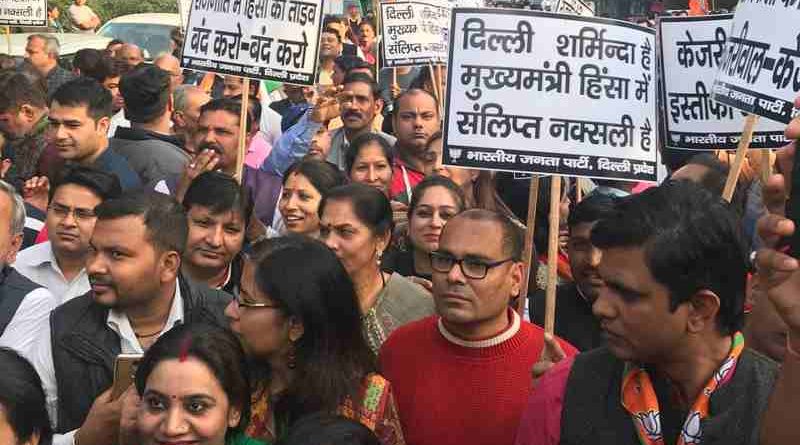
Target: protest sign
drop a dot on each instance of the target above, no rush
(23, 12)
(260, 39)
(577, 7)
(415, 32)
(759, 69)
(691, 52)
(183, 10)
(554, 94)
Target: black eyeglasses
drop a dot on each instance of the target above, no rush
(471, 268)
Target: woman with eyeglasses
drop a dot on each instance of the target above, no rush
(356, 223)
(299, 321)
(435, 201)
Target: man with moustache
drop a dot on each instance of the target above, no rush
(358, 103)
(60, 263)
(137, 294)
(415, 118)
(461, 377)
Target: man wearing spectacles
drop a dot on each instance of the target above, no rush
(464, 376)
(60, 263)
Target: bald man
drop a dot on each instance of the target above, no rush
(187, 100)
(172, 65)
(131, 54)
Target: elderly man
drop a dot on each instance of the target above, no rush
(41, 53)
(131, 54)
(172, 65)
(188, 100)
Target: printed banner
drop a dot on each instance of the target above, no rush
(553, 94)
(577, 7)
(691, 51)
(262, 39)
(415, 33)
(23, 12)
(759, 69)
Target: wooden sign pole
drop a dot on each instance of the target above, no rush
(766, 167)
(741, 152)
(552, 255)
(527, 252)
(243, 121)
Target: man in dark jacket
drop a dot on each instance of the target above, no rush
(149, 144)
(137, 294)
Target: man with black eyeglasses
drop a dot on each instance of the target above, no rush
(60, 263)
(463, 376)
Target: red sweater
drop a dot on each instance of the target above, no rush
(453, 394)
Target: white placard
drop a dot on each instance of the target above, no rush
(577, 7)
(23, 12)
(760, 70)
(260, 39)
(691, 51)
(415, 32)
(548, 93)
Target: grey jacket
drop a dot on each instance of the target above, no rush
(151, 158)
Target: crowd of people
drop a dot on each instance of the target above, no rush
(347, 287)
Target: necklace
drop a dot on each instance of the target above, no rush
(138, 335)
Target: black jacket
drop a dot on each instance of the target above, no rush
(84, 347)
(13, 289)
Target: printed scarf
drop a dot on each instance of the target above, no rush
(639, 399)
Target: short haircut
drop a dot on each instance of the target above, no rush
(51, 45)
(253, 109)
(368, 23)
(414, 92)
(218, 192)
(107, 68)
(85, 91)
(146, 92)
(88, 61)
(334, 32)
(22, 398)
(511, 235)
(227, 104)
(321, 174)
(436, 181)
(362, 141)
(17, 208)
(370, 206)
(591, 209)
(164, 218)
(347, 63)
(330, 430)
(180, 97)
(115, 42)
(363, 78)
(715, 177)
(18, 89)
(691, 242)
(102, 183)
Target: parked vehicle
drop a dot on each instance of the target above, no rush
(151, 31)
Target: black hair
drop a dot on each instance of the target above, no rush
(232, 105)
(436, 181)
(591, 209)
(414, 92)
(691, 242)
(107, 68)
(87, 60)
(85, 91)
(329, 30)
(115, 42)
(219, 350)
(22, 398)
(419, 82)
(253, 109)
(218, 192)
(510, 233)
(307, 281)
(362, 141)
(434, 137)
(370, 24)
(329, 430)
(18, 89)
(102, 183)
(370, 206)
(715, 177)
(347, 63)
(51, 7)
(146, 93)
(363, 78)
(321, 174)
(164, 218)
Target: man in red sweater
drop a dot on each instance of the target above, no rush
(463, 377)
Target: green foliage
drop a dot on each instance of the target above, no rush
(108, 9)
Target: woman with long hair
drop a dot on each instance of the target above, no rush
(23, 410)
(356, 223)
(299, 321)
